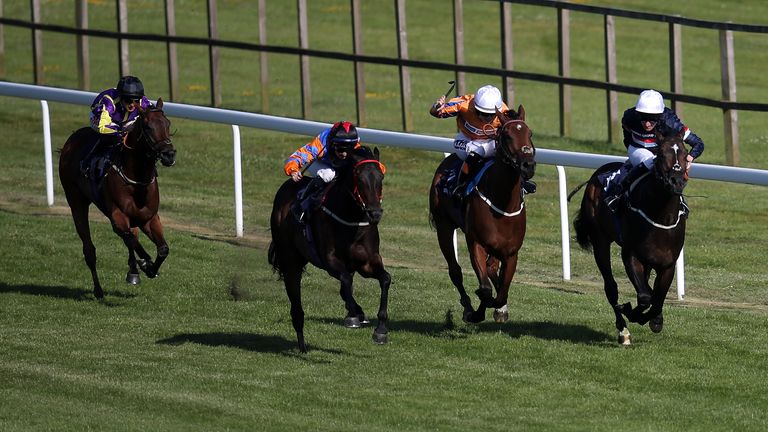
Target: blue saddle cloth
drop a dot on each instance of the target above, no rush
(451, 177)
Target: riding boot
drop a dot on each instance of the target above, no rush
(468, 170)
(308, 199)
(616, 191)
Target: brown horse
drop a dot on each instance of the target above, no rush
(650, 231)
(344, 238)
(127, 195)
(492, 217)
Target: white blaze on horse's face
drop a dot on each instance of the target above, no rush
(519, 127)
(676, 166)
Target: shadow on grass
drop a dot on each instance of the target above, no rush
(247, 342)
(62, 292)
(514, 329)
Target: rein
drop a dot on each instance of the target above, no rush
(647, 218)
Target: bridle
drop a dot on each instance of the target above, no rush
(503, 150)
(152, 145)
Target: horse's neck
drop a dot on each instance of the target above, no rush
(501, 184)
(653, 198)
(134, 162)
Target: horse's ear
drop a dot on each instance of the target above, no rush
(521, 112)
(159, 104)
(376, 153)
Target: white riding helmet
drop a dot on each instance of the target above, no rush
(488, 99)
(650, 102)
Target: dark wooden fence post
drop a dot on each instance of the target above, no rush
(728, 84)
(37, 44)
(458, 44)
(122, 45)
(612, 100)
(357, 48)
(213, 54)
(173, 62)
(676, 65)
(507, 55)
(83, 57)
(564, 68)
(263, 66)
(405, 75)
(2, 45)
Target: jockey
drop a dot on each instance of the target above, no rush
(477, 122)
(640, 124)
(114, 110)
(319, 159)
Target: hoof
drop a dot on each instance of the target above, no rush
(501, 315)
(657, 324)
(380, 338)
(98, 293)
(133, 278)
(475, 317)
(625, 339)
(363, 320)
(352, 322)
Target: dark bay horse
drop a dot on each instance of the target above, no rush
(493, 218)
(127, 195)
(650, 232)
(344, 239)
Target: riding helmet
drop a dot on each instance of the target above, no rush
(650, 102)
(344, 136)
(488, 99)
(130, 87)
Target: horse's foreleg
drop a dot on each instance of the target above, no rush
(355, 316)
(661, 285)
(445, 240)
(507, 272)
(121, 227)
(80, 217)
(380, 333)
(638, 274)
(154, 230)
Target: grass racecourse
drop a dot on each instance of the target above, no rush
(209, 345)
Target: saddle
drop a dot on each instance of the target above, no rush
(450, 178)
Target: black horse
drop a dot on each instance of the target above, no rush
(650, 230)
(493, 218)
(340, 237)
(128, 195)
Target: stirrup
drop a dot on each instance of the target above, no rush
(612, 202)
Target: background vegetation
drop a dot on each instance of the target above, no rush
(209, 346)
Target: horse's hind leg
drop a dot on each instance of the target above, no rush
(445, 240)
(602, 252)
(292, 280)
(79, 211)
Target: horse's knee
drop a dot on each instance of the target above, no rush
(163, 251)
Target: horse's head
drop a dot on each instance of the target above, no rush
(155, 135)
(513, 142)
(670, 163)
(367, 182)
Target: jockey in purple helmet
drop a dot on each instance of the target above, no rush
(114, 110)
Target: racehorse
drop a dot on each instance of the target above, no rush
(650, 232)
(127, 195)
(341, 236)
(492, 217)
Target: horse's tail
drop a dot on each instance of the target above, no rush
(272, 259)
(582, 233)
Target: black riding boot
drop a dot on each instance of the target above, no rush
(468, 170)
(614, 194)
(308, 199)
(102, 146)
